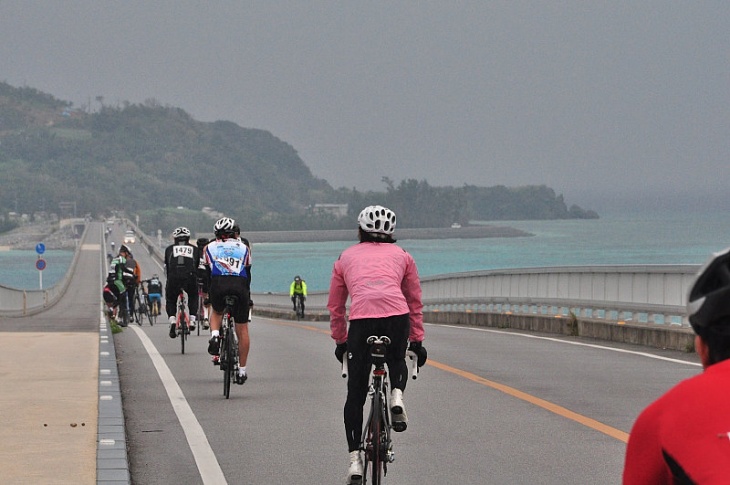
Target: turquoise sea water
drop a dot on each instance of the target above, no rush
(18, 268)
(649, 239)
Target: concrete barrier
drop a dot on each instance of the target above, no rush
(674, 337)
(668, 336)
(16, 303)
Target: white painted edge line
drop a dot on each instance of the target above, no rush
(568, 342)
(205, 459)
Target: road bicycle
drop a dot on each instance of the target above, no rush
(182, 320)
(201, 319)
(153, 304)
(299, 305)
(376, 443)
(228, 355)
(141, 307)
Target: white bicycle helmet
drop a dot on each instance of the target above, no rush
(377, 219)
(181, 232)
(224, 225)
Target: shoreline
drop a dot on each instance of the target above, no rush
(27, 236)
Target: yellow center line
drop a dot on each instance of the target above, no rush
(299, 325)
(511, 391)
(553, 408)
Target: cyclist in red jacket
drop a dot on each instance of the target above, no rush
(684, 436)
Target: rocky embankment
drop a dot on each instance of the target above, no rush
(470, 232)
(27, 236)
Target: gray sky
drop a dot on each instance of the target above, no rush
(600, 100)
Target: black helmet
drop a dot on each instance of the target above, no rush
(709, 298)
(297, 278)
(124, 248)
(202, 242)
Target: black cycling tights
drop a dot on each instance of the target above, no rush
(397, 328)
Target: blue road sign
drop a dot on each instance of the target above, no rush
(40, 264)
(40, 248)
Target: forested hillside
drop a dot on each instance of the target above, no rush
(151, 159)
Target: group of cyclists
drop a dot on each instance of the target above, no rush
(381, 282)
(379, 278)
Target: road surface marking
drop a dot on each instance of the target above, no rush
(205, 459)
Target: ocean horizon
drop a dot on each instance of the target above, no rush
(638, 239)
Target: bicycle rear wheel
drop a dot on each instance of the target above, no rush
(148, 312)
(227, 361)
(155, 310)
(183, 332)
(374, 445)
(300, 307)
(137, 313)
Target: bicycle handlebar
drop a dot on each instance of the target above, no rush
(344, 366)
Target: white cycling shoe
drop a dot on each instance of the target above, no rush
(398, 411)
(354, 473)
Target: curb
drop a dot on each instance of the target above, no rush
(112, 463)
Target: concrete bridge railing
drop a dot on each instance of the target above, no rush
(652, 294)
(15, 302)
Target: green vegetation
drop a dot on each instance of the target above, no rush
(151, 160)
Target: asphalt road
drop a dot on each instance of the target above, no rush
(492, 406)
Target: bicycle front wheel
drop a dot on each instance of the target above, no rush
(149, 315)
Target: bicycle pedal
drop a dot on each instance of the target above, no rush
(216, 360)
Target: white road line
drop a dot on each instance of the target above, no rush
(569, 342)
(205, 459)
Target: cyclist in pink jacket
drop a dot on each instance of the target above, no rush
(382, 282)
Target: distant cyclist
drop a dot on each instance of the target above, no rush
(181, 265)
(381, 280)
(684, 436)
(115, 288)
(228, 262)
(154, 292)
(132, 276)
(298, 287)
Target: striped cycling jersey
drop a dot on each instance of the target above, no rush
(228, 258)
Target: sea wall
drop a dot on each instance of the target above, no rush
(673, 337)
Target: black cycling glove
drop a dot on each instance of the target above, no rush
(420, 351)
(340, 351)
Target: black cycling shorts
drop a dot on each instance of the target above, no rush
(222, 286)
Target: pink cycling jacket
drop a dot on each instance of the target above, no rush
(381, 280)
